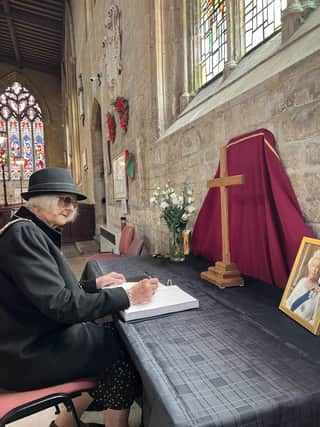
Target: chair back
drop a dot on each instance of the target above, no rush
(136, 247)
(127, 235)
(15, 405)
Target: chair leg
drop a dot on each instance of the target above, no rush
(70, 408)
(39, 405)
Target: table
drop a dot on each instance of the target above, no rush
(236, 362)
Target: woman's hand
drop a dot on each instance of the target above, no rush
(110, 279)
(143, 291)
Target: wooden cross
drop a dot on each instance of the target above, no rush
(224, 273)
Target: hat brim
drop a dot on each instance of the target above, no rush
(28, 194)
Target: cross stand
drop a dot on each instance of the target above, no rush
(224, 273)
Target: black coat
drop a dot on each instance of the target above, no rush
(46, 331)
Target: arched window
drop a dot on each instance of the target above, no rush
(262, 18)
(21, 119)
(213, 38)
(219, 22)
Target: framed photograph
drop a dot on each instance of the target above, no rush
(301, 297)
(120, 186)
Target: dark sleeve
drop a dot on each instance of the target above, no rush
(34, 269)
(89, 285)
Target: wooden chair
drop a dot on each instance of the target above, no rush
(127, 236)
(135, 247)
(15, 405)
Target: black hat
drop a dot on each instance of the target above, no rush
(51, 181)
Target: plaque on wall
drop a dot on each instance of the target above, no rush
(120, 187)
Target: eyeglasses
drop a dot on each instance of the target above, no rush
(68, 201)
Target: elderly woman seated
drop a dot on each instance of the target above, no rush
(47, 330)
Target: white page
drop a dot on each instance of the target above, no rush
(167, 299)
(128, 285)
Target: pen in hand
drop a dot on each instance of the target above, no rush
(143, 291)
(148, 275)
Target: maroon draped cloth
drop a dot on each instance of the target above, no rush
(265, 222)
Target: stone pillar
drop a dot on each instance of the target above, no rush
(231, 54)
(235, 36)
(72, 117)
(291, 18)
(189, 53)
(169, 52)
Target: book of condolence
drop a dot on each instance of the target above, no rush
(167, 299)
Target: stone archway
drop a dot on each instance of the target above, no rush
(98, 166)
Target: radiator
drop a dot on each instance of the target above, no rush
(109, 239)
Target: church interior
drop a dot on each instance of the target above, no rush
(142, 103)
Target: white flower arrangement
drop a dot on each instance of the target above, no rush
(175, 209)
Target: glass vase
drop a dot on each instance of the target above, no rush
(176, 244)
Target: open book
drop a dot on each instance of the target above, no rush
(167, 299)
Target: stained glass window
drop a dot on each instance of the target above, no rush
(213, 38)
(21, 119)
(262, 19)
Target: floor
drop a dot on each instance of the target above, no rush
(76, 255)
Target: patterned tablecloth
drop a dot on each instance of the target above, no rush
(236, 361)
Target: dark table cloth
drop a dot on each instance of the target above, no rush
(236, 361)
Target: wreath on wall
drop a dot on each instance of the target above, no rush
(121, 106)
(111, 123)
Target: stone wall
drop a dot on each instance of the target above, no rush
(276, 87)
(46, 89)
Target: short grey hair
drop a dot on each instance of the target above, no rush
(49, 203)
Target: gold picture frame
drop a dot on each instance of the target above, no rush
(120, 185)
(301, 297)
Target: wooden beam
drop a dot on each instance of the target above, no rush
(6, 8)
(38, 21)
(22, 29)
(37, 15)
(45, 44)
(45, 68)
